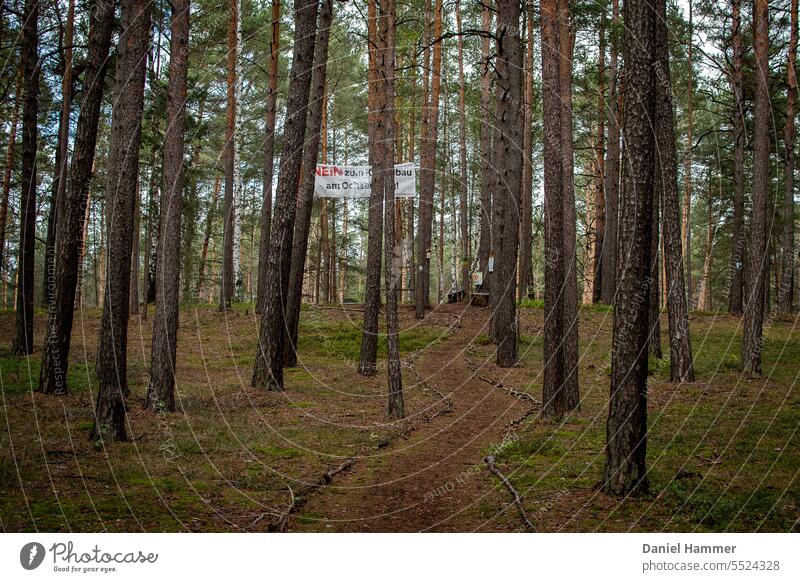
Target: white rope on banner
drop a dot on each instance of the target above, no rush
(334, 181)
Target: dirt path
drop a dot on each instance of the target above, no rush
(433, 480)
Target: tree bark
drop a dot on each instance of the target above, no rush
(509, 162)
(487, 177)
(686, 219)
(73, 209)
(626, 429)
(553, 398)
(305, 198)
(201, 269)
(599, 229)
(268, 369)
(666, 184)
(526, 204)
(62, 155)
(29, 55)
(161, 390)
(752, 342)
(571, 323)
(367, 365)
(704, 294)
(393, 260)
(466, 250)
(10, 162)
(786, 290)
(608, 260)
(123, 165)
(228, 280)
(736, 293)
(427, 177)
(269, 155)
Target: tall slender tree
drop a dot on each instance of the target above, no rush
(228, 280)
(466, 247)
(626, 429)
(526, 198)
(123, 167)
(686, 218)
(161, 389)
(736, 75)
(599, 211)
(74, 205)
(377, 125)
(269, 154)
(29, 55)
(757, 265)
(427, 179)
(485, 240)
(553, 400)
(268, 369)
(666, 185)
(786, 291)
(305, 198)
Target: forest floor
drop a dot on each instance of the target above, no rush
(723, 452)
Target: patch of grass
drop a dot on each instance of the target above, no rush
(532, 304)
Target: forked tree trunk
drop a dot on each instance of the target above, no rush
(268, 369)
(736, 292)
(666, 185)
(269, 155)
(786, 289)
(73, 210)
(126, 133)
(757, 265)
(305, 198)
(626, 429)
(161, 389)
(29, 55)
(553, 401)
(427, 177)
(367, 365)
(62, 155)
(508, 163)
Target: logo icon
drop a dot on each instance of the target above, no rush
(31, 555)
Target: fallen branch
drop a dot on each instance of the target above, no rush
(489, 460)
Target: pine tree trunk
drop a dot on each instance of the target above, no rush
(427, 177)
(62, 155)
(135, 252)
(367, 365)
(666, 184)
(161, 389)
(752, 342)
(393, 260)
(571, 323)
(305, 205)
(466, 250)
(487, 177)
(269, 155)
(599, 229)
(608, 250)
(212, 208)
(126, 133)
(626, 429)
(736, 293)
(686, 219)
(29, 55)
(654, 303)
(73, 210)
(191, 209)
(268, 369)
(229, 212)
(10, 162)
(526, 204)
(508, 163)
(705, 283)
(553, 401)
(786, 289)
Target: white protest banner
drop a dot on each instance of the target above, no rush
(333, 181)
